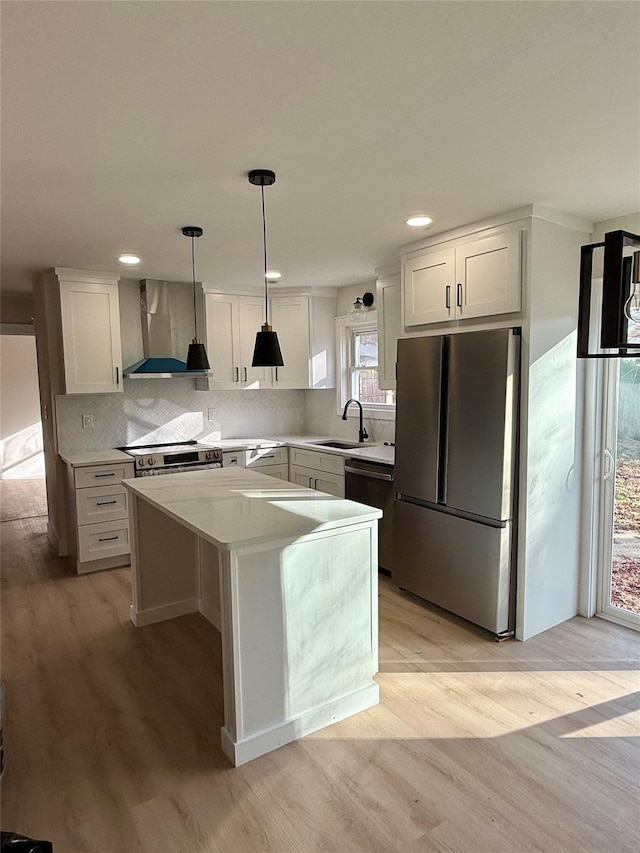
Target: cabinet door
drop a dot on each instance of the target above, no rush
(488, 276)
(302, 476)
(223, 347)
(90, 315)
(321, 481)
(428, 286)
(388, 300)
(251, 318)
(290, 319)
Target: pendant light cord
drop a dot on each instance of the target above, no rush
(193, 274)
(264, 243)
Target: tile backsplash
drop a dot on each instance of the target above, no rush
(154, 411)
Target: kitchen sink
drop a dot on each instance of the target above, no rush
(340, 445)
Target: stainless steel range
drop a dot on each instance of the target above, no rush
(153, 459)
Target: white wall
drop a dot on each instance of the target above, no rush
(20, 426)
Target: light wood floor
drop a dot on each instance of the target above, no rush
(112, 733)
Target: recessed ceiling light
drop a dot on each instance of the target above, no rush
(273, 275)
(419, 221)
(131, 260)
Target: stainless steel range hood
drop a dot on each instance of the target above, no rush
(166, 313)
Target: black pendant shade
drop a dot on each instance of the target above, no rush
(266, 352)
(196, 356)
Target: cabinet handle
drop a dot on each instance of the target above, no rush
(315, 484)
(110, 474)
(104, 503)
(459, 295)
(276, 374)
(310, 481)
(237, 370)
(447, 297)
(107, 538)
(245, 374)
(117, 375)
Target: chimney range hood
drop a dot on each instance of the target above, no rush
(166, 315)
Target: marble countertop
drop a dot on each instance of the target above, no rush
(375, 452)
(234, 507)
(368, 450)
(95, 457)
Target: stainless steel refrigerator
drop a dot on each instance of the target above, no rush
(455, 473)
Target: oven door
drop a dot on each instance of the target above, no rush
(177, 469)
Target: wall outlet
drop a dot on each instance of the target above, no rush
(211, 414)
(87, 422)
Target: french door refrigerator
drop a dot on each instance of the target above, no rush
(455, 473)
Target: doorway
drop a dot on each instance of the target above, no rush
(619, 552)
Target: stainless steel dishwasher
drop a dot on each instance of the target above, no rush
(371, 483)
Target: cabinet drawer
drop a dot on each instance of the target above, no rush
(314, 459)
(279, 471)
(233, 459)
(102, 475)
(266, 456)
(101, 503)
(107, 539)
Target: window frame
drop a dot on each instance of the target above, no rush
(344, 328)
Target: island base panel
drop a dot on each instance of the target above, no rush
(240, 752)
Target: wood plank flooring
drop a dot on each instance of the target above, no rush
(112, 733)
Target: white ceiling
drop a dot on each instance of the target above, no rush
(123, 121)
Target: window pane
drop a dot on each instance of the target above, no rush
(365, 349)
(365, 388)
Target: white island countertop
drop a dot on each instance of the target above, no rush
(233, 507)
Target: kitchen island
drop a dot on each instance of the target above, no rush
(287, 574)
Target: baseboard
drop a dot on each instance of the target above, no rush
(211, 613)
(141, 618)
(266, 741)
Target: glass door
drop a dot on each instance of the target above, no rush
(619, 563)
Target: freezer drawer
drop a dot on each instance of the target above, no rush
(460, 565)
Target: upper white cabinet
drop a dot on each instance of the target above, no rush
(462, 279)
(389, 328)
(84, 308)
(305, 328)
(306, 332)
(231, 323)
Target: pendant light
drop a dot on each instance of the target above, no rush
(197, 356)
(266, 352)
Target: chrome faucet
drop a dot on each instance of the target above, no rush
(363, 435)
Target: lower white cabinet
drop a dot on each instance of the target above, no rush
(99, 514)
(316, 470)
(272, 461)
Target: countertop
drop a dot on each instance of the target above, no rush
(234, 507)
(95, 457)
(368, 450)
(374, 452)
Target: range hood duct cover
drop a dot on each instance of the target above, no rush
(158, 334)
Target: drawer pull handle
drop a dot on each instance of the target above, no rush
(104, 503)
(107, 538)
(269, 457)
(110, 474)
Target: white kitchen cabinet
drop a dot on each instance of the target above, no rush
(389, 328)
(98, 509)
(322, 481)
(306, 332)
(272, 461)
(231, 322)
(84, 315)
(462, 279)
(317, 470)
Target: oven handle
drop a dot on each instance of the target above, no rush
(372, 475)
